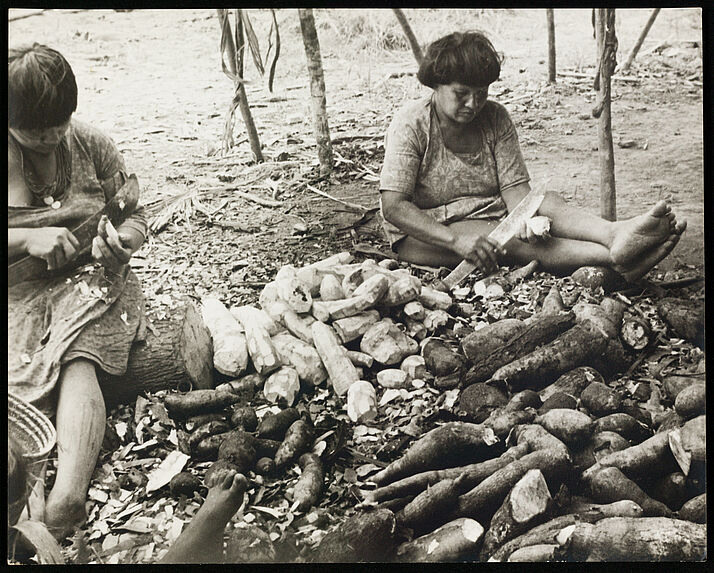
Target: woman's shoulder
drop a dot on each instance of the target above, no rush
(89, 135)
(496, 112)
(414, 114)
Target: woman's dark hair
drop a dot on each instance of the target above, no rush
(41, 89)
(468, 58)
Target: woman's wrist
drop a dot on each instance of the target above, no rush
(17, 241)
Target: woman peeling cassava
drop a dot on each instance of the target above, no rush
(453, 169)
(63, 329)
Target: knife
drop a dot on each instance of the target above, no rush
(117, 209)
(503, 233)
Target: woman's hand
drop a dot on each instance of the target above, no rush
(479, 250)
(534, 230)
(110, 248)
(56, 245)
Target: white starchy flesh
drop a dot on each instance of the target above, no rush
(361, 402)
(393, 378)
(230, 347)
(339, 368)
(282, 386)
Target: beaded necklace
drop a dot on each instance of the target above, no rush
(49, 193)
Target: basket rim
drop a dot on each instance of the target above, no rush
(26, 419)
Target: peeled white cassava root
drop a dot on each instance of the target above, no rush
(230, 347)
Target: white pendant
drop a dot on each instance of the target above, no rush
(56, 205)
(48, 200)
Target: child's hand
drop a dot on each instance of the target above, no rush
(56, 245)
(110, 248)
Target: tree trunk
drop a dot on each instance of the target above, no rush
(409, 33)
(607, 50)
(240, 99)
(177, 354)
(317, 90)
(551, 45)
(640, 40)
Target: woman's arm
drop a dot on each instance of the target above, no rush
(56, 245)
(406, 216)
(402, 213)
(511, 197)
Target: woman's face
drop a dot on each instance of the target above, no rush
(41, 140)
(460, 103)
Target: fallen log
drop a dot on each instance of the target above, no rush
(638, 539)
(177, 354)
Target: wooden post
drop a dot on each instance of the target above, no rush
(607, 50)
(317, 90)
(640, 40)
(409, 33)
(240, 99)
(549, 12)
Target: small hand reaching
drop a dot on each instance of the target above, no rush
(111, 248)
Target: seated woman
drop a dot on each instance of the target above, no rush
(453, 168)
(63, 329)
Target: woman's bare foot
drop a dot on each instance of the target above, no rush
(63, 516)
(202, 540)
(641, 267)
(637, 236)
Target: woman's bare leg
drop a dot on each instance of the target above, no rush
(631, 247)
(80, 421)
(556, 255)
(627, 240)
(202, 540)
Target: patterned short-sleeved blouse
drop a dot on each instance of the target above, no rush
(446, 185)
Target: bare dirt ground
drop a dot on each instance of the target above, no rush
(152, 80)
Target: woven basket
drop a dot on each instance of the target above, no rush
(30, 428)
